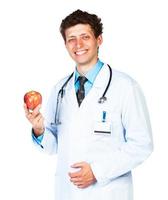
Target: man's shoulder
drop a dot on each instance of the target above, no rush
(62, 81)
(122, 77)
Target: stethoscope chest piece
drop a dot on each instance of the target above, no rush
(102, 100)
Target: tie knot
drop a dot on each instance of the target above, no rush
(82, 80)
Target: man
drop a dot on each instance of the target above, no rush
(98, 140)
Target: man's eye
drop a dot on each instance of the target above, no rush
(71, 40)
(85, 37)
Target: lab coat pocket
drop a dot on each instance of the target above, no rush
(102, 128)
(107, 121)
(117, 128)
(101, 137)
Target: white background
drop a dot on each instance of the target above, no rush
(32, 56)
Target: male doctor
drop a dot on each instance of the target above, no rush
(98, 141)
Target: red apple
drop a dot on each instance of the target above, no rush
(32, 99)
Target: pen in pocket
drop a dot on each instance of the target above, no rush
(104, 116)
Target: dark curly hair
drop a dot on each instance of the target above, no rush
(82, 17)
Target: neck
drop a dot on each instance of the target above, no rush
(84, 68)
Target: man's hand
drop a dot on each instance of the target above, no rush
(36, 119)
(84, 177)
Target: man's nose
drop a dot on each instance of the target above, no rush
(79, 42)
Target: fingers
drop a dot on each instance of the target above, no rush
(35, 117)
(77, 173)
(38, 119)
(78, 165)
(25, 109)
(36, 110)
(31, 114)
(78, 182)
(83, 177)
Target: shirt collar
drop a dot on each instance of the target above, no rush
(91, 74)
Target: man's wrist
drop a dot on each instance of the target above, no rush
(38, 131)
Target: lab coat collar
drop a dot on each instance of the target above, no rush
(92, 73)
(100, 81)
(102, 78)
(99, 84)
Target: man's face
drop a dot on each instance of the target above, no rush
(82, 44)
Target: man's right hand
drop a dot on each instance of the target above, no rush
(36, 119)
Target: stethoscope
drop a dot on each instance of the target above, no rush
(61, 94)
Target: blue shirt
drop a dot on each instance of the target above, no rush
(37, 139)
(91, 76)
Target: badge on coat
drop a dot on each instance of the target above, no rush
(102, 127)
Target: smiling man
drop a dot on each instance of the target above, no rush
(82, 46)
(96, 120)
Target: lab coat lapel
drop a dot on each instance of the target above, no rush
(98, 87)
(71, 94)
(102, 77)
(94, 94)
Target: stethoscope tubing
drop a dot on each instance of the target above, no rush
(101, 100)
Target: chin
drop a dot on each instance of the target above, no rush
(82, 60)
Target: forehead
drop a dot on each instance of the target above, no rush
(78, 29)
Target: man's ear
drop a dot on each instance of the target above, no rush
(99, 40)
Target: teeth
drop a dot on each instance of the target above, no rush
(80, 52)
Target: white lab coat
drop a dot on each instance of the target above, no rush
(111, 156)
